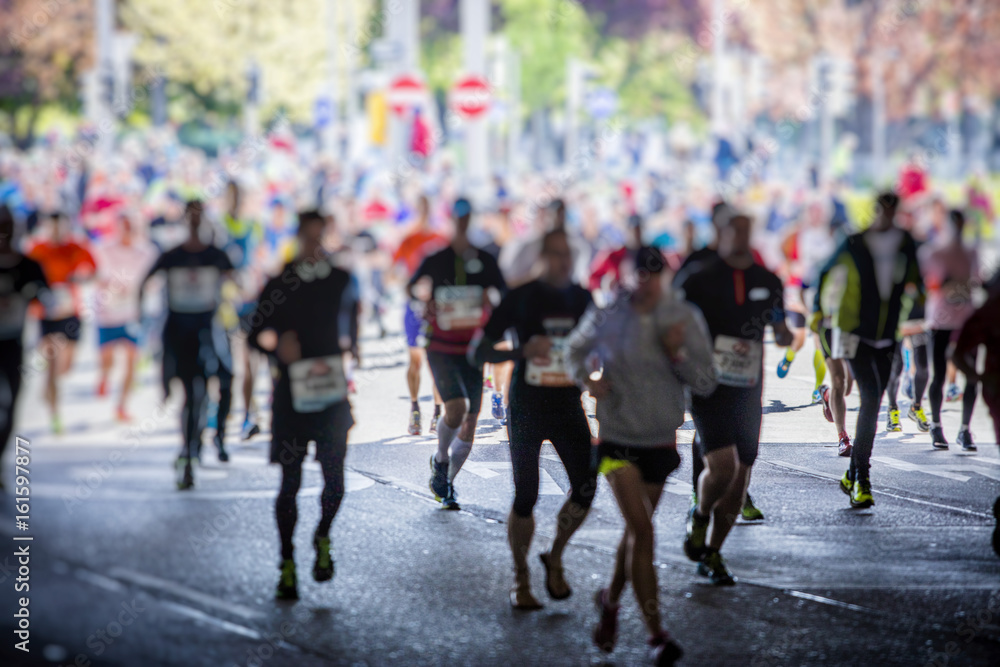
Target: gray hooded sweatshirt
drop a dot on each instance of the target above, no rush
(646, 404)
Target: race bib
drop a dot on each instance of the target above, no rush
(738, 361)
(60, 304)
(555, 373)
(843, 345)
(12, 309)
(193, 289)
(317, 383)
(459, 307)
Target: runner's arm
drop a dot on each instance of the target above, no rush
(582, 342)
(482, 348)
(693, 364)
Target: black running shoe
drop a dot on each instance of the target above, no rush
(965, 440)
(287, 588)
(664, 651)
(323, 567)
(606, 631)
(450, 500)
(937, 437)
(439, 479)
(220, 447)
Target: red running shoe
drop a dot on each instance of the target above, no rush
(845, 444)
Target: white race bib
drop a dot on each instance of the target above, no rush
(60, 304)
(556, 372)
(459, 307)
(317, 383)
(12, 309)
(738, 361)
(843, 345)
(193, 289)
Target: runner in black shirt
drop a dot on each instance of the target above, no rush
(739, 299)
(307, 319)
(458, 303)
(21, 281)
(194, 345)
(544, 405)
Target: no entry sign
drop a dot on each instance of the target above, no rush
(405, 92)
(470, 96)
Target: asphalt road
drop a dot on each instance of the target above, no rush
(124, 570)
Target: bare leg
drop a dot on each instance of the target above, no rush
(728, 508)
(131, 354)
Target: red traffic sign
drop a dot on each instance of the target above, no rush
(470, 96)
(405, 92)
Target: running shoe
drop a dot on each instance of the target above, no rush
(844, 447)
(937, 437)
(965, 439)
(488, 382)
(892, 421)
(606, 631)
(846, 484)
(917, 415)
(122, 415)
(450, 501)
(57, 425)
(506, 416)
(287, 583)
(908, 386)
(861, 494)
(713, 566)
(954, 394)
(750, 511)
(323, 567)
(784, 366)
(439, 479)
(817, 395)
(220, 448)
(664, 651)
(827, 410)
(433, 428)
(185, 474)
(250, 429)
(414, 428)
(498, 411)
(697, 533)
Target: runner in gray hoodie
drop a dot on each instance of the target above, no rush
(651, 345)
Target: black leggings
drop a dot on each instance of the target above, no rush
(920, 371)
(10, 387)
(225, 401)
(871, 368)
(940, 340)
(331, 459)
(193, 414)
(570, 435)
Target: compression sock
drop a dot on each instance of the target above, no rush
(445, 435)
(819, 365)
(414, 406)
(459, 452)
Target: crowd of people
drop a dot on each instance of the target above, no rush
(624, 297)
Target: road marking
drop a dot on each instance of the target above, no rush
(184, 610)
(833, 603)
(948, 470)
(167, 586)
(99, 580)
(487, 470)
(824, 475)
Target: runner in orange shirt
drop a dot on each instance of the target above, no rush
(65, 263)
(419, 243)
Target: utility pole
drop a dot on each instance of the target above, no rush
(105, 27)
(474, 18)
(331, 132)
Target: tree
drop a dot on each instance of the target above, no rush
(42, 55)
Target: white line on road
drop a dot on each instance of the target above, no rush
(101, 581)
(834, 603)
(184, 610)
(149, 581)
(487, 470)
(825, 475)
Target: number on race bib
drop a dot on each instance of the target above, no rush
(738, 361)
(459, 307)
(843, 345)
(193, 289)
(555, 373)
(317, 383)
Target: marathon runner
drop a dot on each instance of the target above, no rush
(245, 236)
(121, 266)
(454, 284)
(870, 274)
(651, 344)
(21, 281)
(412, 250)
(65, 263)
(194, 345)
(739, 298)
(982, 328)
(544, 405)
(951, 272)
(306, 319)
